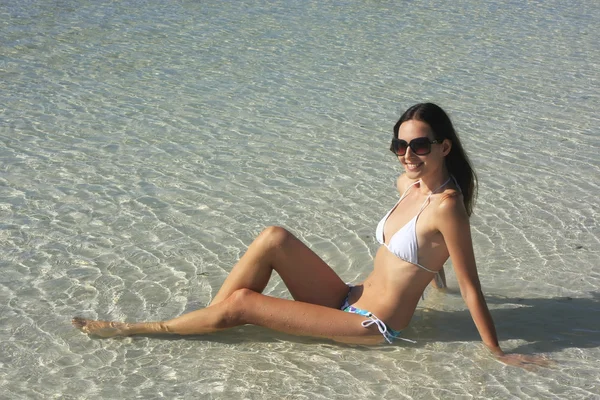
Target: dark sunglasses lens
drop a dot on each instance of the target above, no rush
(399, 147)
(420, 146)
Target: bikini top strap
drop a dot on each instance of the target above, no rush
(408, 188)
(442, 185)
(456, 183)
(433, 192)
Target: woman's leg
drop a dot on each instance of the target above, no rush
(307, 277)
(316, 287)
(248, 307)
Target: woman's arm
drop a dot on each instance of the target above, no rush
(455, 227)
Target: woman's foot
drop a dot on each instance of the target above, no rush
(104, 329)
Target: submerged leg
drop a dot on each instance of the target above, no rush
(248, 307)
(100, 328)
(309, 279)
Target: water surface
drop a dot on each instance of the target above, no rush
(145, 144)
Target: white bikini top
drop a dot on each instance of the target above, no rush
(404, 243)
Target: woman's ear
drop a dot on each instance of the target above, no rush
(446, 147)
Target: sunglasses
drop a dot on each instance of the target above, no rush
(420, 146)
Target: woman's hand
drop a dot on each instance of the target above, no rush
(528, 362)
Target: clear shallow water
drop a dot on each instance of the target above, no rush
(145, 144)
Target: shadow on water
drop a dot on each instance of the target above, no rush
(546, 325)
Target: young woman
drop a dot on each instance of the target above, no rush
(429, 223)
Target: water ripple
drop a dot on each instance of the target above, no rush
(144, 145)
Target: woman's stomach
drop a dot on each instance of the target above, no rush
(392, 290)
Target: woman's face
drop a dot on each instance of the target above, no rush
(417, 166)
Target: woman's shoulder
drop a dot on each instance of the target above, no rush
(450, 202)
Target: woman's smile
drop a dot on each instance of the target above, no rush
(412, 166)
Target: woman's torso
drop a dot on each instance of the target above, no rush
(394, 287)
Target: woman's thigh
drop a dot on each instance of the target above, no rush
(305, 274)
(308, 278)
(300, 318)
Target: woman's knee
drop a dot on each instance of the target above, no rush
(275, 236)
(237, 307)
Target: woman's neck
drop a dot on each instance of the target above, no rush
(433, 182)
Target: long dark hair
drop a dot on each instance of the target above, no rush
(457, 162)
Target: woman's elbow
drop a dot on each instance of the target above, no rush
(470, 292)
